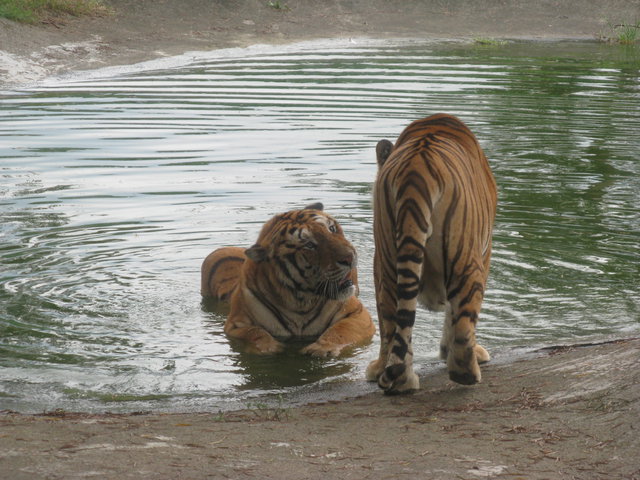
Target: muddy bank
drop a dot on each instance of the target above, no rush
(141, 30)
(565, 412)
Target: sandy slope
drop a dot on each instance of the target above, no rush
(564, 413)
(145, 29)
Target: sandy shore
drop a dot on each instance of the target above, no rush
(566, 412)
(141, 30)
(560, 413)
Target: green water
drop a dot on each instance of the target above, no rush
(114, 188)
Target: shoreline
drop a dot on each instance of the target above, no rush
(563, 412)
(143, 30)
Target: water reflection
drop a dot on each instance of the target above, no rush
(113, 190)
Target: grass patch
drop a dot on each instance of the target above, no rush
(277, 5)
(623, 34)
(270, 413)
(489, 42)
(36, 11)
(629, 34)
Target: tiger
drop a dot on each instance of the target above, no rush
(297, 282)
(435, 201)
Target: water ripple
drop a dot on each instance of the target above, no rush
(113, 189)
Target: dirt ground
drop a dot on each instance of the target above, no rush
(567, 412)
(563, 413)
(147, 29)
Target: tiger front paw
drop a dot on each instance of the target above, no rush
(481, 354)
(374, 370)
(323, 349)
(265, 346)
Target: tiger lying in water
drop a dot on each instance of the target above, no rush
(434, 208)
(297, 282)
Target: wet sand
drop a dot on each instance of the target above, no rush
(563, 412)
(140, 30)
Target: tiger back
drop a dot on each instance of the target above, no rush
(434, 208)
(220, 272)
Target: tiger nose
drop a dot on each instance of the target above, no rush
(346, 259)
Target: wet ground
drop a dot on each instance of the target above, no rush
(565, 412)
(141, 30)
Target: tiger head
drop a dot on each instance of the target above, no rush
(307, 253)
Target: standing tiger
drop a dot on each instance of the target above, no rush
(297, 282)
(434, 208)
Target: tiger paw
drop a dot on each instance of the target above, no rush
(374, 370)
(397, 379)
(481, 354)
(317, 349)
(265, 346)
(466, 371)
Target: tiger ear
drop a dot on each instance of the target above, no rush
(315, 206)
(383, 150)
(256, 253)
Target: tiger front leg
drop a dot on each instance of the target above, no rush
(355, 328)
(387, 328)
(376, 367)
(257, 339)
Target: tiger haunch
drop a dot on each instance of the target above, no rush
(434, 208)
(297, 282)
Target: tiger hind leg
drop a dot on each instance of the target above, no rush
(415, 228)
(389, 370)
(398, 376)
(393, 369)
(447, 337)
(458, 346)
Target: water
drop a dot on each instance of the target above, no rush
(113, 189)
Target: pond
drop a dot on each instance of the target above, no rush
(115, 186)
